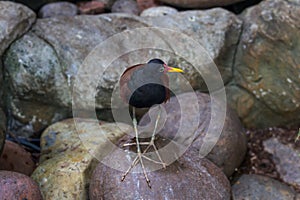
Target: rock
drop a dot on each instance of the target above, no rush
(25, 59)
(159, 11)
(17, 159)
(26, 56)
(190, 177)
(108, 3)
(230, 148)
(265, 91)
(69, 156)
(60, 42)
(260, 187)
(125, 6)
(16, 19)
(28, 118)
(91, 7)
(58, 9)
(145, 4)
(14, 185)
(286, 159)
(199, 3)
(2, 129)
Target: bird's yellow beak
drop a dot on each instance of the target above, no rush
(173, 69)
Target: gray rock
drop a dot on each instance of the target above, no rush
(199, 3)
(16, 19)
(70, 153)
(2, 129)
(58, 9)
(230, 148)
(260, 187)
(286, 159)
(158, 11)
(65, 42)
(125, 6)
(24, 60)
(40, 84)
(265, 90)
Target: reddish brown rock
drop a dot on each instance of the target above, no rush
(91, 7)
(230, 148)
(190, 177)
(15, 158)
(14, 185)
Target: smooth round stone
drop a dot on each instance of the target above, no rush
(58, 9)
(125, 6)
(159, 11)
(190, 177)
(14, 185)
(230, 148)
(265, 89)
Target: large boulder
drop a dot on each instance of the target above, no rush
(189, 177)
(265, 90)
(230, 148)
(16, 19)
(64, 43)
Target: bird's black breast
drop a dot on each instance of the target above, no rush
(148, 95)
(146, 85)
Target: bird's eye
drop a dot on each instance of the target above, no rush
(162, 69)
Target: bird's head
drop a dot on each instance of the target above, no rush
(162, 66)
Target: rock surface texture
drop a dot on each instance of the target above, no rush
(260, 187)
(266, 88)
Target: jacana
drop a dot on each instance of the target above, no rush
(143, 86)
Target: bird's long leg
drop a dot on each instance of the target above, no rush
(138, 158)
(151, 143)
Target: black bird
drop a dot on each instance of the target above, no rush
(143, 86)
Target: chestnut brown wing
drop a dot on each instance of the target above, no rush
(125, 78)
